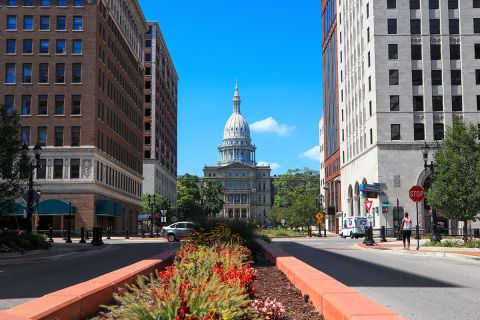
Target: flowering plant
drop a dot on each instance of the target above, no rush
(269, 309)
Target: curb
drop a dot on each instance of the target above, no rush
(333, 299)
(83, 300)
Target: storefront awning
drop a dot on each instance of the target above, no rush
(108, 208)
(12, 208)
(55, 207)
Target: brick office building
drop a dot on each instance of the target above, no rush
(73, 70)
(160, 145)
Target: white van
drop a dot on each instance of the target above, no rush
(353, 227)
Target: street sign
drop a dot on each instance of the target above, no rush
(368, 204)
(370, 217)
(283, 222)
(320, 216)
(164, 212)
(416, 193)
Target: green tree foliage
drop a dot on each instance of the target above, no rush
(156, 203)
(212, 202)
(14, 168)
(296, 198)
(456, 184)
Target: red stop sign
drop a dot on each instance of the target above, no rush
(416, 193)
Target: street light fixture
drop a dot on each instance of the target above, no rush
(425, 152)
(37, 150)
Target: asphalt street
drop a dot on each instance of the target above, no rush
(414, 286)
(23, 282)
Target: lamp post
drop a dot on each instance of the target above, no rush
(151, 204)
(37, 151)
(425, 152)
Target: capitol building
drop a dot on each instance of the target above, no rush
(247, 186)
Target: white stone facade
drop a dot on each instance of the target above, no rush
(372, 104)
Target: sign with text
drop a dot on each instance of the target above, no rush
(416, 193)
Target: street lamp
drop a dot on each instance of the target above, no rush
(425, 151)
(37, 150)
(151, 204)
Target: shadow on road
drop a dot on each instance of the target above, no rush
(355, 272)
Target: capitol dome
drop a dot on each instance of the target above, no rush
(236, 126)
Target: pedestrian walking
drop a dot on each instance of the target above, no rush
(406, 228)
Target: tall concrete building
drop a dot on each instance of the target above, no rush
(247, 186)
(160, 117)
(321, 146)
(74, 70)
(331, 160)
(406, 67)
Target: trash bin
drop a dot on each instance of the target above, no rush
(476, 233)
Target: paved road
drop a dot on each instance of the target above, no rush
(23, 282)
(414, 286)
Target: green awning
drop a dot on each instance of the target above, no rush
(12, 208)
(55, 207)
(119, 209)
(105, 208)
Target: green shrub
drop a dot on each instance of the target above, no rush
(21, 241)
(454, 244)
(244, 229)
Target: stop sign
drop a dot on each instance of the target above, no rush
(416, 193)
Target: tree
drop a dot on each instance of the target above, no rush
(15, 168)
(455, 189)
(296, 199)
(157, 202)
(212, 202)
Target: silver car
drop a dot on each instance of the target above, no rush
(177, 231)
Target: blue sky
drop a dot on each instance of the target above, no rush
(273, 48)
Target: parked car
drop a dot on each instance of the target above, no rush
(353, 227)
(177, 231)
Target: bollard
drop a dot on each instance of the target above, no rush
(86, 235)
(383, 234)
(143, 233)
(108, 234)
(97, 236)
(50, 234)
(82, 235)
(126, 235)
(325, 232)
(369, 236)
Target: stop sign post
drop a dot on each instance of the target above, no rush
(417, 194)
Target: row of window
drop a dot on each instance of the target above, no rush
(416, 26)
(418, 131)
(58, 141)
(432, 4)
(41, 172)
(117, 179)
(417, 77)
(44, 23)
(437, 103)
(43, 103)
(43, 73)
(43, 3)
(435, 52)
(44, 46)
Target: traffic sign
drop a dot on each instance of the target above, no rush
(416, 193)
(370, 217)
(283, 222)
(320, 216)
(368, 204)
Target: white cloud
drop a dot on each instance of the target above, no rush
(271, 125)
(312, 154)
(273, 165)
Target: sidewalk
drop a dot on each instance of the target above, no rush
(395, 246)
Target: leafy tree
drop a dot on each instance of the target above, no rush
(455, 190)
(296, 198)
(14, 167)
(212, 202)
(157, 202)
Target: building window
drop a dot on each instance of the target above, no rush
(44, 3)
(369, 83)
(416, 52)
(435, 52)
(417, 77)
(391, 4)
(11, 47)
(434, 26)
(415, 26)
(11, 22)
(417, 103)
(476, 3)
(61, 23)
(394, 103)
(27, 73)
(368, 40)
(393, 77)
(10, 103)
(11, 3)
(61, 46)
(370, 107)
(41, 172)
(76, 104)
(27, 46)
(44, 23)
(75, 136)
(452, 4)
(43, 105)
(433, 4)
(76, 73)
(57, 168)
(77, 46)
(74, 168)
(478, 102)
(418, 131)
(61, 3)
(392, 26)
(25, 136)
(58, 142)
(414, 4)
(148, 43)
(78, 3)
(477, 76)
(28, 3)
(77, 23)
(43, 47)
(371, 136)
(454, 52)
(453, 26)
(456, 77)
(436, 77)
(43, 73)
(60, 73)
(42, 136)
(392, 52)
(26, 105)
(438, 131)
(59, 105)
(476, 25)
(457, 103)
(10, 73)
(395, 131)
(437, 103)
(27, 23)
